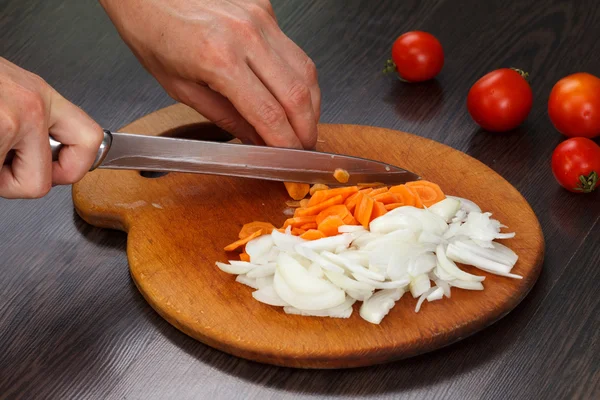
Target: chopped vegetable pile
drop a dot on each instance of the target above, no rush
(368, 244)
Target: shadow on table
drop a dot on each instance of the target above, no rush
(416, 101)
(421, 371)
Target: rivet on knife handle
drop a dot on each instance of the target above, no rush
(55, 147)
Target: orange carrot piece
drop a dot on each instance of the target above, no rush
(391, 206)
(386, 198)
(366, 190)
(418, 201)
(329, 226)
(339, 210)
(244, 257)
(341, 175)
(364, 209)
(378, 210)
(297, 222)
(350, 220)
(304, 203)
(324, 195)
(429, 192)
(312, 234)
(407, 196)
(241, 242)
(251, 227)
(316, 187)
(297, 231)
(375, 192)
(310, 225)
(297, 191)
(316, 209)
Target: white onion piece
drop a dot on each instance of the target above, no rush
(467, 285)
(365, 239)
(236, 267)
(244, 280)
(419, 285)
(429, 222)
(340, 249)
(461, 216)
(298, 278)
(467, 257)
(285, 241)
(467, 204)
(446, 209)
(445, 286)
(428, 237)
(494, 254)
(481, 227)
(422, 264)
(264, 281)
(390, 222)
(268, 296)
(453, 230)
(379, 305)
(259, 246)
(422, 299)
(437, 294)
(353, 267)
(329, 243)
(270, 257)
(401, 283)
(344, 310)
(356, 289)
(441, 273)
(356, 256)
(452, 269)
(315, 270)
(351, 228)
(317, 258)
(391, 239)
(322, 301)
(262, 271)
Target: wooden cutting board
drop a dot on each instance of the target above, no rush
(178, 224)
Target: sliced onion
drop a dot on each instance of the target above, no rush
(422, 264)
(429, 222)
(444, 285)
(344, 310)
(437, 294)
(317, 258)
(446, 209)
(298, 278)
(309, 302)
(422, 299)
(452, 269)
(351, 228)
(244, 280)
(419, 285)
(329, 243)
(360, 290)
(379, 305)
(259, 246)
(268, 296)
(353, 267)
(270, 257)
(286, 242)
(467, 204)
(441, 273)
(364, 239)
(356, 256)
(468, 285)
(402, 283)
(495, 253)
(428, 237)
(392, 222)
(236, 267)
(484, 264)
(315, 270)
(262, 271)
(391, 239)
(264, 281)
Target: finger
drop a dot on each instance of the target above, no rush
(259, 107)
(9, 127)
(303, 66)
(81, 137)
(216, 108)
(291, 92)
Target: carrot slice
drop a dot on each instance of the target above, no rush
(391, 206)
(297, 191)
(323, 195)
(378, 210)
(244, 257)
(341, 175)
(386, 198)
(316, 187)
(241, 242)
(297, 222)
(429, 192)
(316, 209)
(310, 225)
(297, 231)
(251, 227)
(312, 234)
(329, 226)
(407, 196)
(350, 220)
(364, 209)
(304, 203)
(339, 210)
(418, 201)
(375, 192)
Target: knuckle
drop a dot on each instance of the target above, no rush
(272, 114)
(228, 124)
(37, 189)
(310, 71)
(9, 125)
(35, 106)
(298, 94)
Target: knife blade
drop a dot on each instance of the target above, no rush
(166, 154)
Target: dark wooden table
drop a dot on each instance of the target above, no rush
(72, 324)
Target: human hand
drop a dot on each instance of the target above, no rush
(229, 61)
(30, 111)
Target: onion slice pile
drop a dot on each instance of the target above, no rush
(408, 250)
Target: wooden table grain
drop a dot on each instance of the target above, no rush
(73, 326)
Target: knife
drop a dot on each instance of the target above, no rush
(166, 154)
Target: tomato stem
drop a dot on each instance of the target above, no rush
(587, 184)
(524, 74)
(389, 67)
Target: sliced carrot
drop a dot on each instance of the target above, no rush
(244, 257)
(323, 195)
(386, 198)
(316, 209)
(350, 220)
(297, 191)
(391, 206)
(251, 227)
(310, 225)
(375, 192)
(316, 187)
(429, 192)
(297, 231)
(312, 234)
(364, 209)
(341, 175)
(418, 201)
(339, 210)
(233, 246)
(304, 203)
(366, 190)
(407, 196)
(329, 226)
(378, 210)
(297, 222)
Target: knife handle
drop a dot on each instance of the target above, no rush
(56, 146)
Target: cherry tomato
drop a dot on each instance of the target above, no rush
(416, 57)
(574, 105)
(500, 100)
(576, 164)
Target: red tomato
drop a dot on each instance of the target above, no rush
(576, 164)
(500, 100)
(574, 105)
(416, 56)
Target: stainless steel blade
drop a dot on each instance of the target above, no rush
(153, 153)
